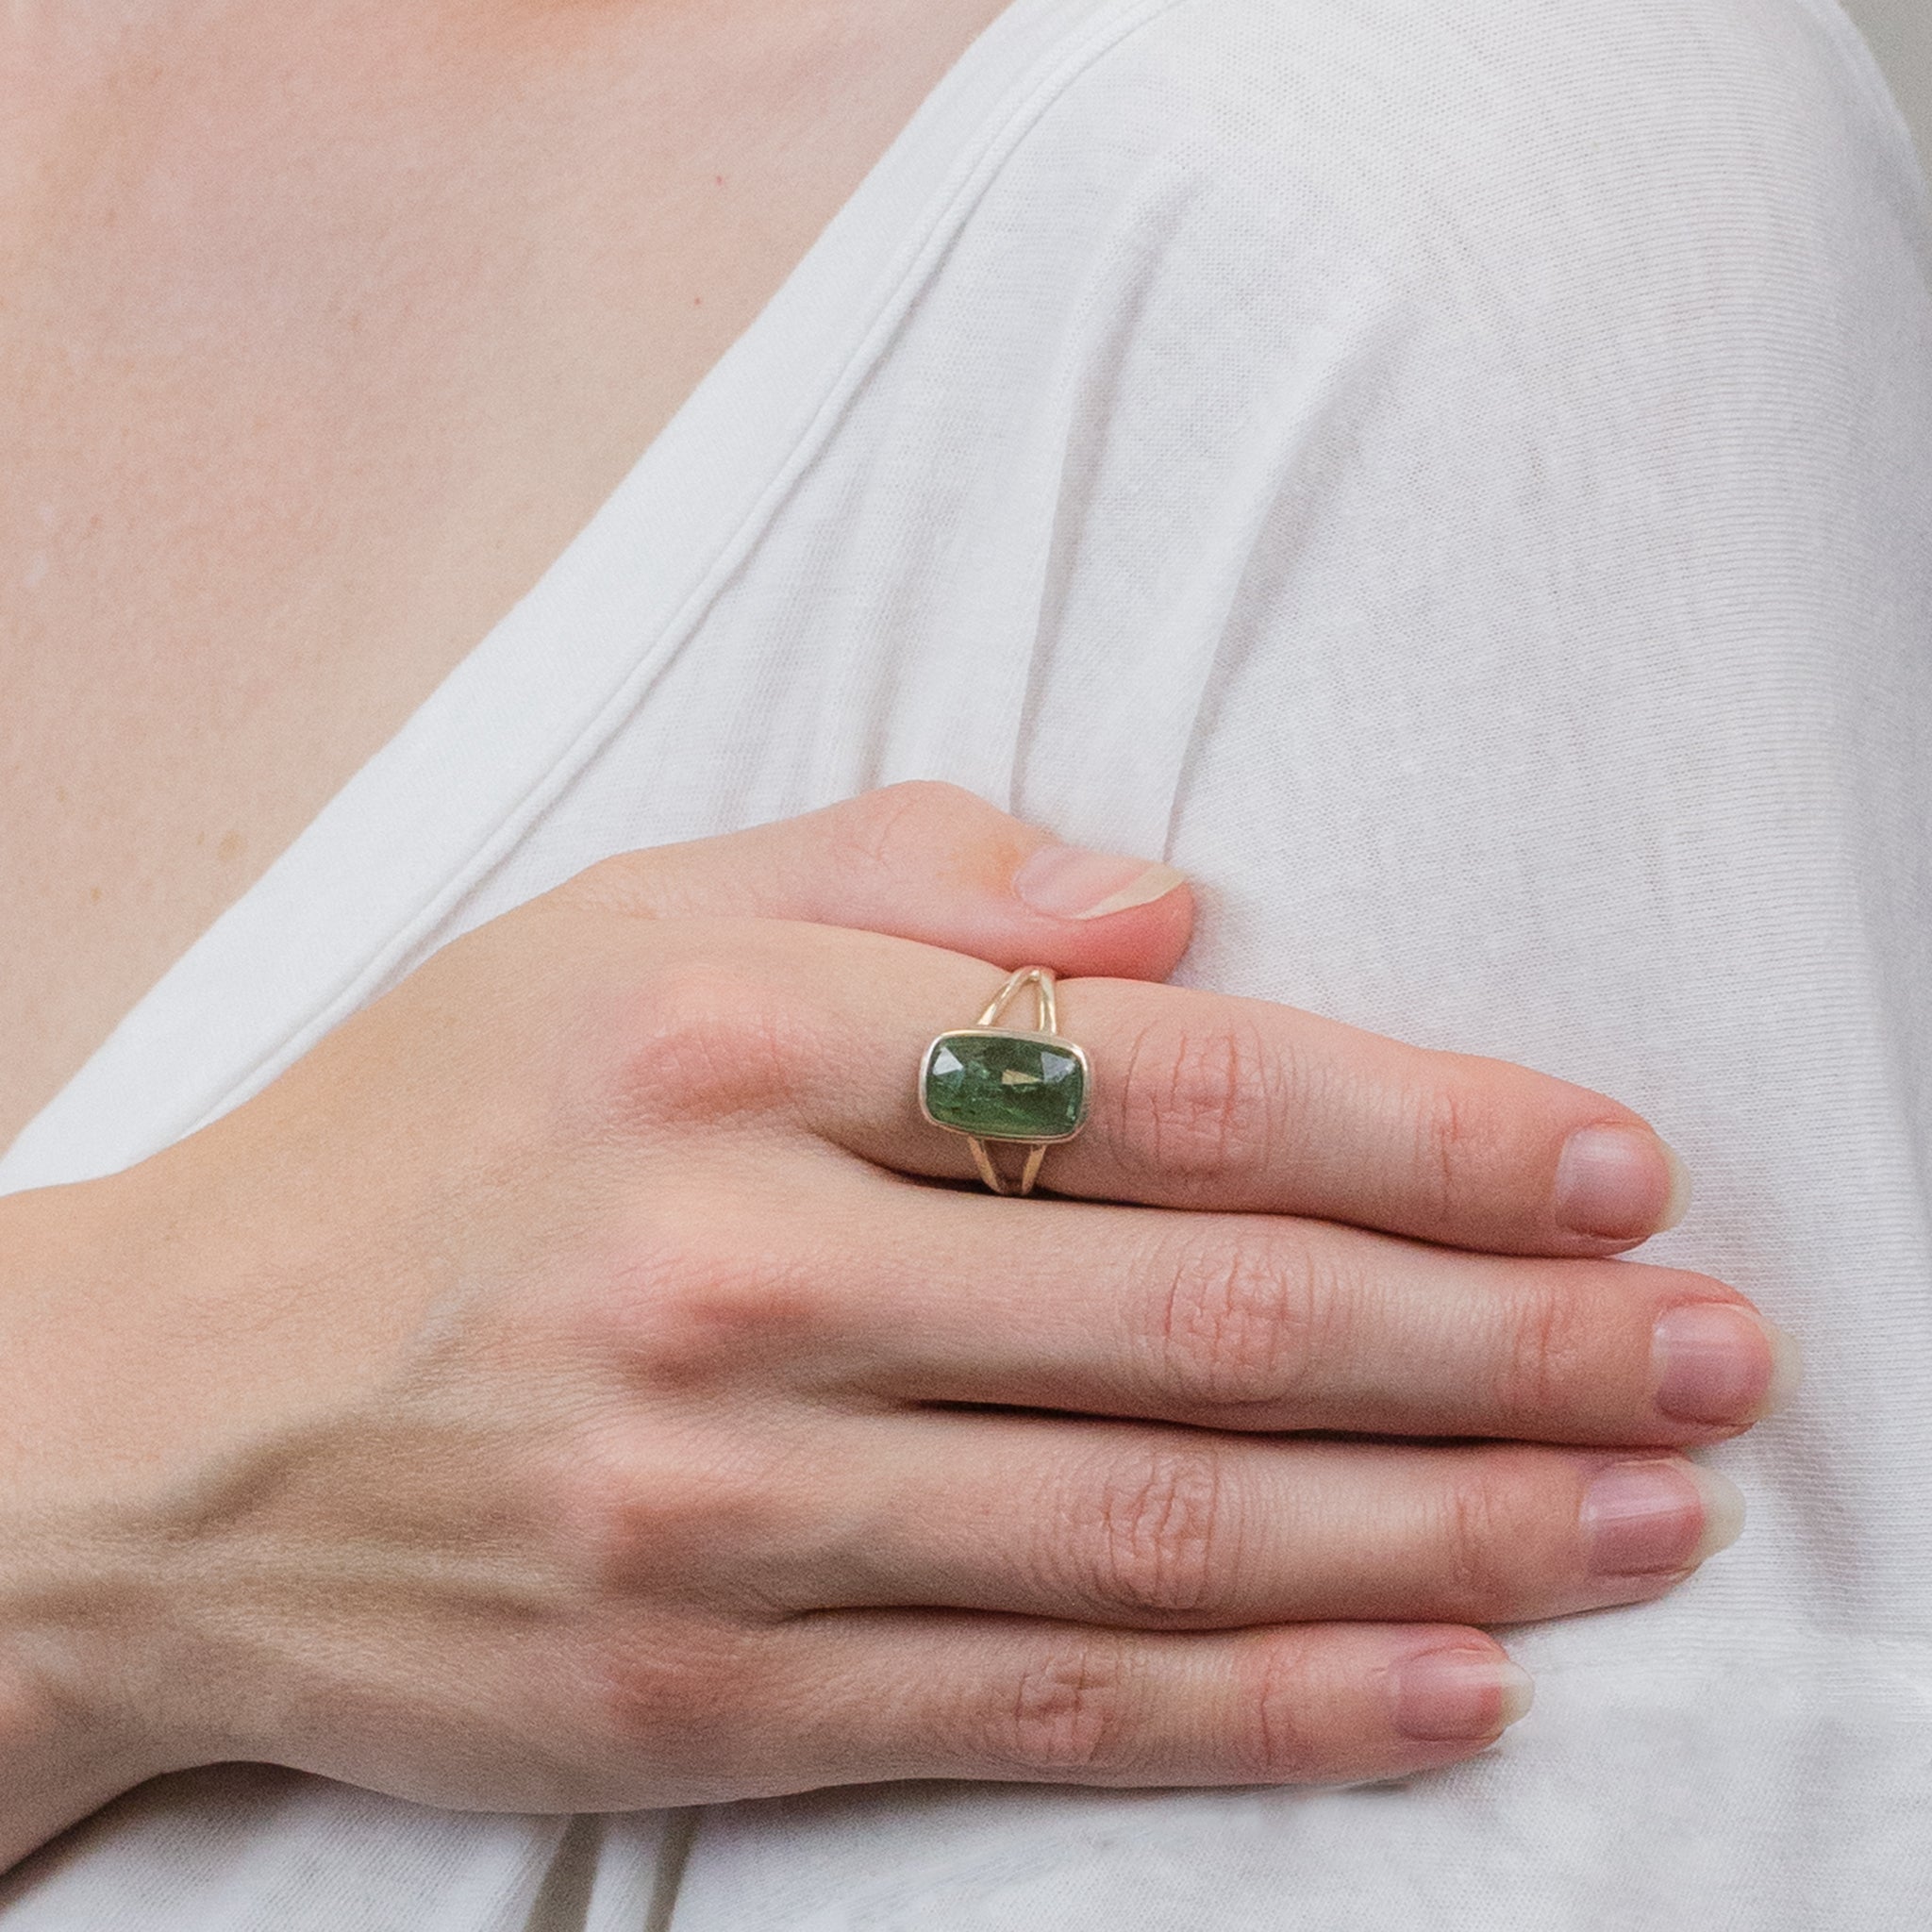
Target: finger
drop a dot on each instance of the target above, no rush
(1167, 1528)
(1203, 1100)
(923, 862)
(899, 1694)
(1263, 1321)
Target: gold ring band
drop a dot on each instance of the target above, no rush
(1031, 1087)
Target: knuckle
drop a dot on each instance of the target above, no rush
(1455, 1150)
(1201, 1098)
(1285, 1742)
(665, 1695)
(1242, 1318)
(1481, 1542)
(1547, 1355)
(1068, 1711)
(1156, 1533)
(880, 829)
(697, 1301)
(669, 1517)
(703, 1040)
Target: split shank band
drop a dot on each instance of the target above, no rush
(992, 1083)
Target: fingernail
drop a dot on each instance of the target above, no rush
(1618, 1183)
(1068, 882)
(1678, 1203)
(1460, 1693)
(1715, 1363)
(1640, 1516)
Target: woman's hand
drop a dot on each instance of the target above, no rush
(566, 1387)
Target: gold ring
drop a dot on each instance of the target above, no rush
(995, 1083)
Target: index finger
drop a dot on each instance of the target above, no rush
(1208, 1101)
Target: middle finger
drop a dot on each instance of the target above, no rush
(1269, 1322)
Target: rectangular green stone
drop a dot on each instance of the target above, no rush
(1003, 1086)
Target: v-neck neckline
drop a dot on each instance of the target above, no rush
(372, 874)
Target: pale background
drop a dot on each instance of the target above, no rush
(1901, 34)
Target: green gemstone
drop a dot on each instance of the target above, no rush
(1005, 1085)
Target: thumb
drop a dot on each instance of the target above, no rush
(922, 861)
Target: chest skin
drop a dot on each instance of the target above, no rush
(324, 328)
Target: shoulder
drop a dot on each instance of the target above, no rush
(1473, 111)
(1238, 65)
(1528, 173)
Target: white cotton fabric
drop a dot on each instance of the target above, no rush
(1455, 475)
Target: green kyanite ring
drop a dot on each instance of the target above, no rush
(992, 1083)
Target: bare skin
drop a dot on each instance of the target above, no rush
(598, 1506)
(337, 321)
(564, 1390)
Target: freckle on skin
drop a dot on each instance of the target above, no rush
(93, 895)
(230, 847)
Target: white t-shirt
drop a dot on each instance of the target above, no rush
(1455, 476)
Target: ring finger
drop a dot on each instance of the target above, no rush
(1157, 1528)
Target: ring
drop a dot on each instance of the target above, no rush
(995, 1083)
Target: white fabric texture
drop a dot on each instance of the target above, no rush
(1455, 476)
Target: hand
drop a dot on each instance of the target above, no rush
(567, 1389)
